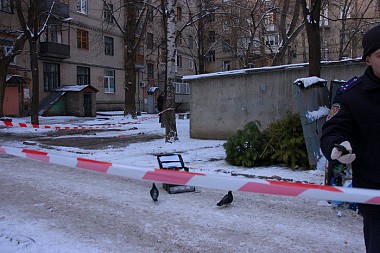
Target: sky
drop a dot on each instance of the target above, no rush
(206, 156)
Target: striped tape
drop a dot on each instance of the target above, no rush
(357, 195)
(65, 127)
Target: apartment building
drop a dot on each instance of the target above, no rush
(244, 34)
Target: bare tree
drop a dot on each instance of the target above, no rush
(349, 18)
(288, 31)
(134, 23)
(33, 23)
(311, 15)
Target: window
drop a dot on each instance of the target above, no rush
(226, 25)
(269, 18)
(109, 81)
(211, 36)
(182, 88)
(82, 6)
(271, 40)
(191, 42)
(82, 39)
(226, 65)
(324, 20)
(83, 75)
(226, 45)
(53, 33)
(179, 38)
(149, 70)
(149, 40)
(149, 14)
(345, 12)
(179, 60)
(211, 16)
(8, 46)
(179, 13)
(108, 46)
(107, 12)
(51, 76)
(191, 64)
(6, 6)
(211, 56)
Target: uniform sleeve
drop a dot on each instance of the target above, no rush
(338, 126)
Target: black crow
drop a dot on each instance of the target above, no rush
(226, 200)
(154, 192)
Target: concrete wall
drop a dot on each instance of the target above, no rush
(221, 103)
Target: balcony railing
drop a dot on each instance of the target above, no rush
(54, 50)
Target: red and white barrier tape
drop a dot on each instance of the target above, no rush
(65, 127)
(356, 195)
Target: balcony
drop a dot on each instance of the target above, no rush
(60, 9)
(54, 50)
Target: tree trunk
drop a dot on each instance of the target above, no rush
(3, 75)
(130, 56)
(311, 17)
(35, 81)
(170, 121)
(200, 31)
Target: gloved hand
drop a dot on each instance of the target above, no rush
(339, 155)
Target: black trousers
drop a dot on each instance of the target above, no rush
(371, 231)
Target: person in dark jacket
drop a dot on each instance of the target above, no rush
(160, 105)
(354, 123)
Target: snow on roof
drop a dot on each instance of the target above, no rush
(252, 70)
(17, 78)
(241, 71)
(308, 81)
(153, 89)
(73, 88)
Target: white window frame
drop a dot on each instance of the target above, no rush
(191, 64)
(82, 6)
(109, 81)
(7, 50)
(182, 88)
(324, 21)
(107, 12)
(226, 25)
(226, 65)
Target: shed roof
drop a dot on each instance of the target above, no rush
(14, 79)
(153, 89)
(75, 88)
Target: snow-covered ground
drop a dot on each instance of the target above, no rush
(50, 208)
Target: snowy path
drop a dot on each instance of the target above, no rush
(49, 209)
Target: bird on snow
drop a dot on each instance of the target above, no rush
(226, 200)
(154, 192)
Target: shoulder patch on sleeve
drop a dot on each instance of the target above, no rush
(349, 84)
(335, 108)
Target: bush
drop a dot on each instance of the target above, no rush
(286, 142)
(281, 143)
(245, 147)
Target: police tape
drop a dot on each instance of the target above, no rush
(66, 127)
(262, 186)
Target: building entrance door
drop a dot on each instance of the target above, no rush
(87, 104)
